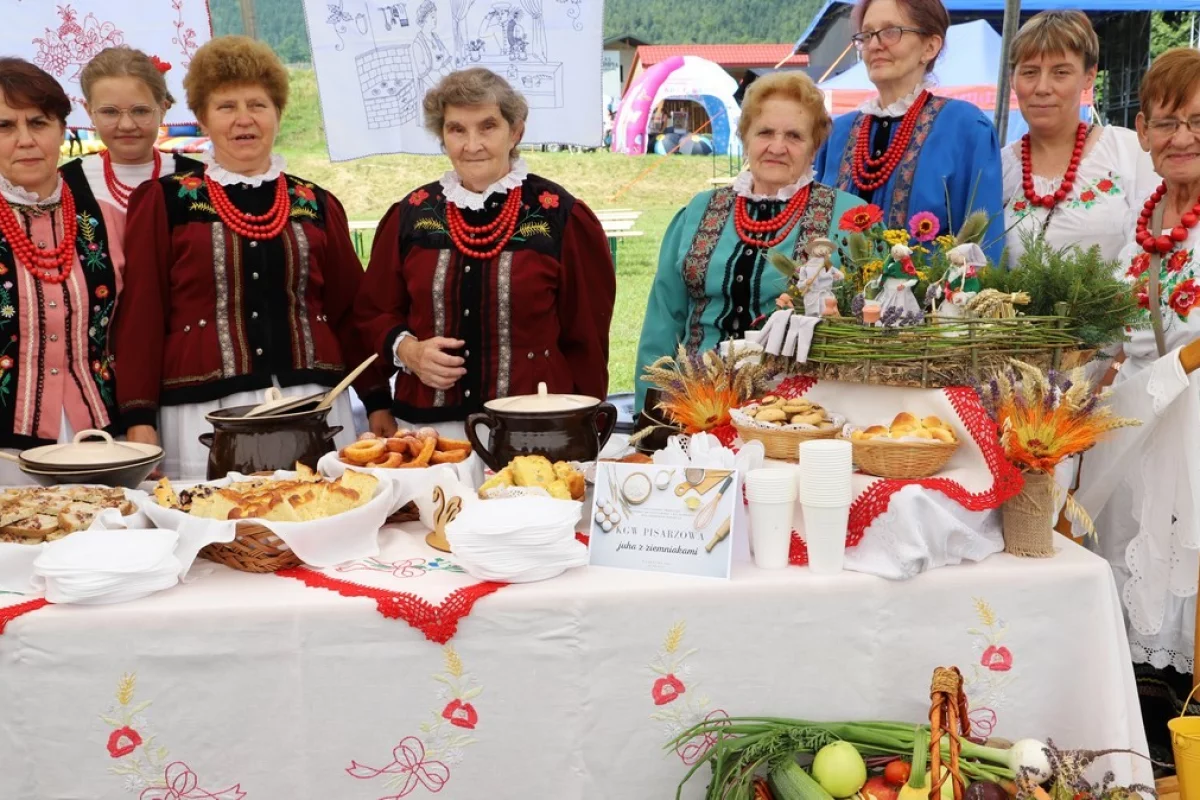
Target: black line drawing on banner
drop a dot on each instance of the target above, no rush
(388, 81)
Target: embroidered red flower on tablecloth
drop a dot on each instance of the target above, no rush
(667, 690)
(1138, 266)
(1087, 197)
(418, 197)
(1105, 185)
(997, 659)
(859, 218)
(123, 741)
(1183, 299)
(1178, 260)
(460, 714)
(548, 200)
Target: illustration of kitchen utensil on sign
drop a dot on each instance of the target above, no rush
(705, 515)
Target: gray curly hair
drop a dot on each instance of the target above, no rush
(473, 87)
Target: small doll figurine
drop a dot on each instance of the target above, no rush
(896, 282)
(817, 277)
(961, 282)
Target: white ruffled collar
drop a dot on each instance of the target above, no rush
(743, 186)
(463, 197)
(901, 106)
(21, 197)
(216, 172)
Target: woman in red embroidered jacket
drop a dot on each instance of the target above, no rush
(491, 280)
(240, 276)
(59, 277)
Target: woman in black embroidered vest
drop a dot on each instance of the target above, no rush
(125, 94)
(713, 279)
(239, 276)
(58, 277)
(491, 280)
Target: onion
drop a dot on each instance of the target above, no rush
(1028, 757)
(839, 769)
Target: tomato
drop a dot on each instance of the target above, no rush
(897, 772)
(879, 789)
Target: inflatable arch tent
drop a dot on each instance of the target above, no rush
(679, 78)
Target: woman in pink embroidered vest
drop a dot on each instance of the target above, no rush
(491, 280)
(125, 94)
(59, 277)
(240, 276)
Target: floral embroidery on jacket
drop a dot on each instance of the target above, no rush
(1178, 289)
(424, 761)
(304, 199)
(145, 764)
(677, 698)
(94, 255)
(989, 675)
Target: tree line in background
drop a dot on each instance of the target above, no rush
(281, 23)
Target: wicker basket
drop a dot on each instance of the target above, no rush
(949, 353)
(902, 460)
(253, 549)
(783, 444)
(407, 513)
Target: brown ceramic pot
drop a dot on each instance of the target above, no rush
(265, 444)
(561, 427)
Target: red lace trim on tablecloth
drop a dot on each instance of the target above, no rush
(1006, 478)
(10, 613)
(439, 623)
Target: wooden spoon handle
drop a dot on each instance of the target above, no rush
(346, 381)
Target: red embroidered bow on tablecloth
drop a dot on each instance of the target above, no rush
(978, 477)
(409, 766)
(182, 784)
(408, 580)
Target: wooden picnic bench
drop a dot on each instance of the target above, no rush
(618, 224)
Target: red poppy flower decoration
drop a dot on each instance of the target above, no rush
(548, 200)
(123, 741)
(859, 218)
(666, 690)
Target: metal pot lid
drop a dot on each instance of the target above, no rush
(288, 408)
(78, 453)
(541, 402)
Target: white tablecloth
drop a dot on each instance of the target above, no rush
(260, 686)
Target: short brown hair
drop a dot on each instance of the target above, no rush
(928, 15)
(231, 60)
(122, 62)
(793, 85)
(1052, 32)
(26, 85)
(1172, 80)
(473, 87)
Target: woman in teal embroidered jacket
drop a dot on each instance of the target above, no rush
(713, 277)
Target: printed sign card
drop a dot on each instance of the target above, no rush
(664, 518)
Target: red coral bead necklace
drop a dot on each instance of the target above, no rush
(1151, 241)
(121, 191)
(251, 226)
(1068, 181)
(43, 263)
(469, 239)
(870, 173)
(781, 224)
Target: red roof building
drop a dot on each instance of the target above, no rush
(736, 59)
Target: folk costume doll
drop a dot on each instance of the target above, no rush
(817, 277)
(961, 282)
(125, 94)
(907, 150)
(241, 276)
(1066, 181)
(60, 274)
(713, 279)
(896, 282)
(491, 280)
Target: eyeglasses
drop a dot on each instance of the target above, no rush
(111, 115)
(1169, 126)
(887, 36)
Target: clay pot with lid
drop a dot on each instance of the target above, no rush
(249, 444)
(562, 427)
(84, 460)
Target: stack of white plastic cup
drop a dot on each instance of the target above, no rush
(825, 495)
(772, 497)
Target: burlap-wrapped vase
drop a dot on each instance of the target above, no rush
(1029, 518)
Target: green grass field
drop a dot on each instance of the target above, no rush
(656, 186)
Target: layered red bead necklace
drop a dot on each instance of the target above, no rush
(470, 239)
(754, 232)
(42, 264)
(251, 226)
(120, 191)
(870, 173)
(1151, 241)
(1068, 181)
